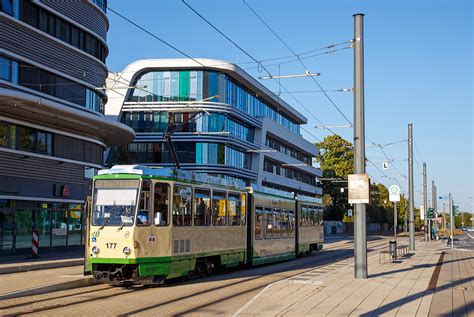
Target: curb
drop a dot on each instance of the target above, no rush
(40, 266)
(86, 281)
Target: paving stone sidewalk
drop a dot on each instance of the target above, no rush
(403, 288)
(41, 281)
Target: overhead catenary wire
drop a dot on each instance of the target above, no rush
(300, 60)
(251, 57)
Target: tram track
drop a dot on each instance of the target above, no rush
(223, 293)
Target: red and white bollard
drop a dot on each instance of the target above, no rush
(35, 244)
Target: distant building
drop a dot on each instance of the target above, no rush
(52, 128)
(242, 130)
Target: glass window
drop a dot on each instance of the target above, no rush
(7, 6)
(243, 213)
(23, 227)
(234, 207)
(259, 222)
(74, 224)
(114, 202)
(4, 134)
(202, 207)
(5, 69)
(41, 142)
(42, 223)
(277, 219)
(218, 208)
(26, 139)
(144, 206)
(182, 202)
(59, 227)
(161, 204)
(75, 36)
(29, 13)
(291, 223)
(269, 223)
(285, 225)
(304, 212)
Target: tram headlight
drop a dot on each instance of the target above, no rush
(95, 250)
(127, 250)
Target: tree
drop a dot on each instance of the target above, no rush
(336, 158)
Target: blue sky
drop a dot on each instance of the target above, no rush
(418, 69)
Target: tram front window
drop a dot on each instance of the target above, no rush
(114, 206)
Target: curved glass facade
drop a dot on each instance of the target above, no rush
(165, 86)
(43, 81)
(156, 121)
(188, 152)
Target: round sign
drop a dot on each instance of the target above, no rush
(394, 190)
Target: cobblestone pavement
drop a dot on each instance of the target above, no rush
(219, 294)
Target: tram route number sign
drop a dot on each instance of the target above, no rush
(359, 188)
(394, 193)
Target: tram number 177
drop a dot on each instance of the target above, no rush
(111, 245)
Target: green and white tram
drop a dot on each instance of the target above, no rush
(151, 224)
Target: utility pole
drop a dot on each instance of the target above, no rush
(452, 220)
(411, 192)
(434, 203)
(425, 202)
(360, 222)
(395, 219)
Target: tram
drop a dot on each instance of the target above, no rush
(147, 225)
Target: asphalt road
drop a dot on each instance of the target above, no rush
(465, 241)
(223, 293)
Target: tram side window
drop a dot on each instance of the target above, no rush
(233, 201)
(269, 223)
(321, 218)
(312, 217)
(202, 206)
(259, 223)
(285, 224)
(243, 213)
(143, 216)
(161, 204)
(303, 216)
(182, 202)
(291, 223)
(276, 223)
(218, 208)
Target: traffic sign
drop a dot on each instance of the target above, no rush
(385, 165)
(394, 193)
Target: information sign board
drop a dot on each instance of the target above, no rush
(359, 188)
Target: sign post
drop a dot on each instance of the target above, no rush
(394, 196)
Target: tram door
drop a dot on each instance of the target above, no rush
(7, 224)
(87, 210)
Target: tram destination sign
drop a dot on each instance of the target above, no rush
(359, 188)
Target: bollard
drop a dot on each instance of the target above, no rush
(392, 247)
(34, 245)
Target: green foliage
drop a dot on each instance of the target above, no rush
(336, 158)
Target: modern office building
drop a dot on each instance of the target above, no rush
(52, 128)
(223, 122)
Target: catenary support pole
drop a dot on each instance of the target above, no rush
(425, 203)
(451, 213)
(411, 192)
(434, 224)
(360, 234)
